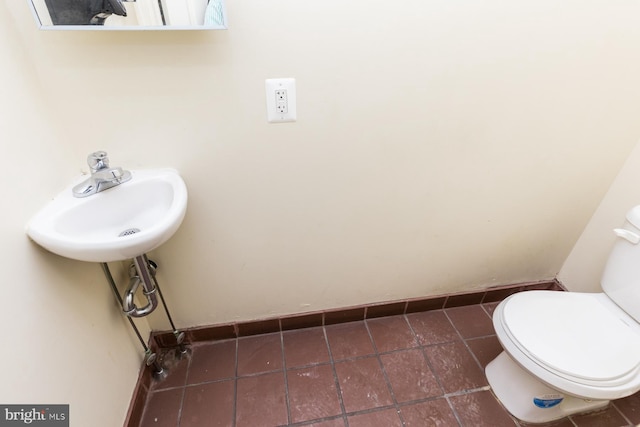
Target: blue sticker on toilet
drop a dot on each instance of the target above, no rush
(548, 400)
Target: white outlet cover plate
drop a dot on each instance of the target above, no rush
(288, 84)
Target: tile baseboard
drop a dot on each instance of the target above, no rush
(165, 339)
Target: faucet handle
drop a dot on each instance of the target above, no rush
(98, 160)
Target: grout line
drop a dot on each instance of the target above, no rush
(253, 375)
(467, 391)
(372, 410)
(453, 411)
(384, 372)
(464, 342)
(167, 388)
(514, 419)
(335, 376)
(184, 386)
(422, 350)
(620, 412)
(286, 378)
(235, 387)
(315, 421)
(217, 380)
(485, 308)
(573, 423)
(480, 337)
(179, 420)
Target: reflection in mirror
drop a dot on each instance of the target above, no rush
(130, 14)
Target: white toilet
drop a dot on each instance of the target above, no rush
(569, 352)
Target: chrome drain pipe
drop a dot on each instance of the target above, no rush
(140, 275)
(177, 334)
(150, 357)
(143, 273)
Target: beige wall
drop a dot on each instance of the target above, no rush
(440, 147)
(64, 340)
(584, 266)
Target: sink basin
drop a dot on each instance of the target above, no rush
(120, 223)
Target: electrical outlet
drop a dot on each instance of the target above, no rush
(281, 100)
(282, 104)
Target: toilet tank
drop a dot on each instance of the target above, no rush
(621, 276)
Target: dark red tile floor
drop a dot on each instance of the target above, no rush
(413, 370)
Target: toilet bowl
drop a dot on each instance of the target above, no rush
(570, 352)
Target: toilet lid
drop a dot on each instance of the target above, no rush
(572, 333)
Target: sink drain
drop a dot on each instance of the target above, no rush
(129, 232)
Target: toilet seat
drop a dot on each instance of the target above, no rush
(572, 335)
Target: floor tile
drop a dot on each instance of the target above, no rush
(454, 367)
(609, 417)
(382, 418)
(162, 408)
(630, 407)
(337, 422)
(432, 413)
(250, 386)
(362, 384)
(212, 361)
(564, 422)
(348, 340)
(209, 404)
(432, 327)
(305, 347)
(261, 401)
(471, 321)
(260, 353)
(480, 409)
(485, 349)
(490, 307)
(410, 376)
(312, 393)
(391, 333)
(176, 370)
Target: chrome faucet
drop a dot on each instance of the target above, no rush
(102, 177)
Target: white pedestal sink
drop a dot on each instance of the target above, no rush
(117, 224)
